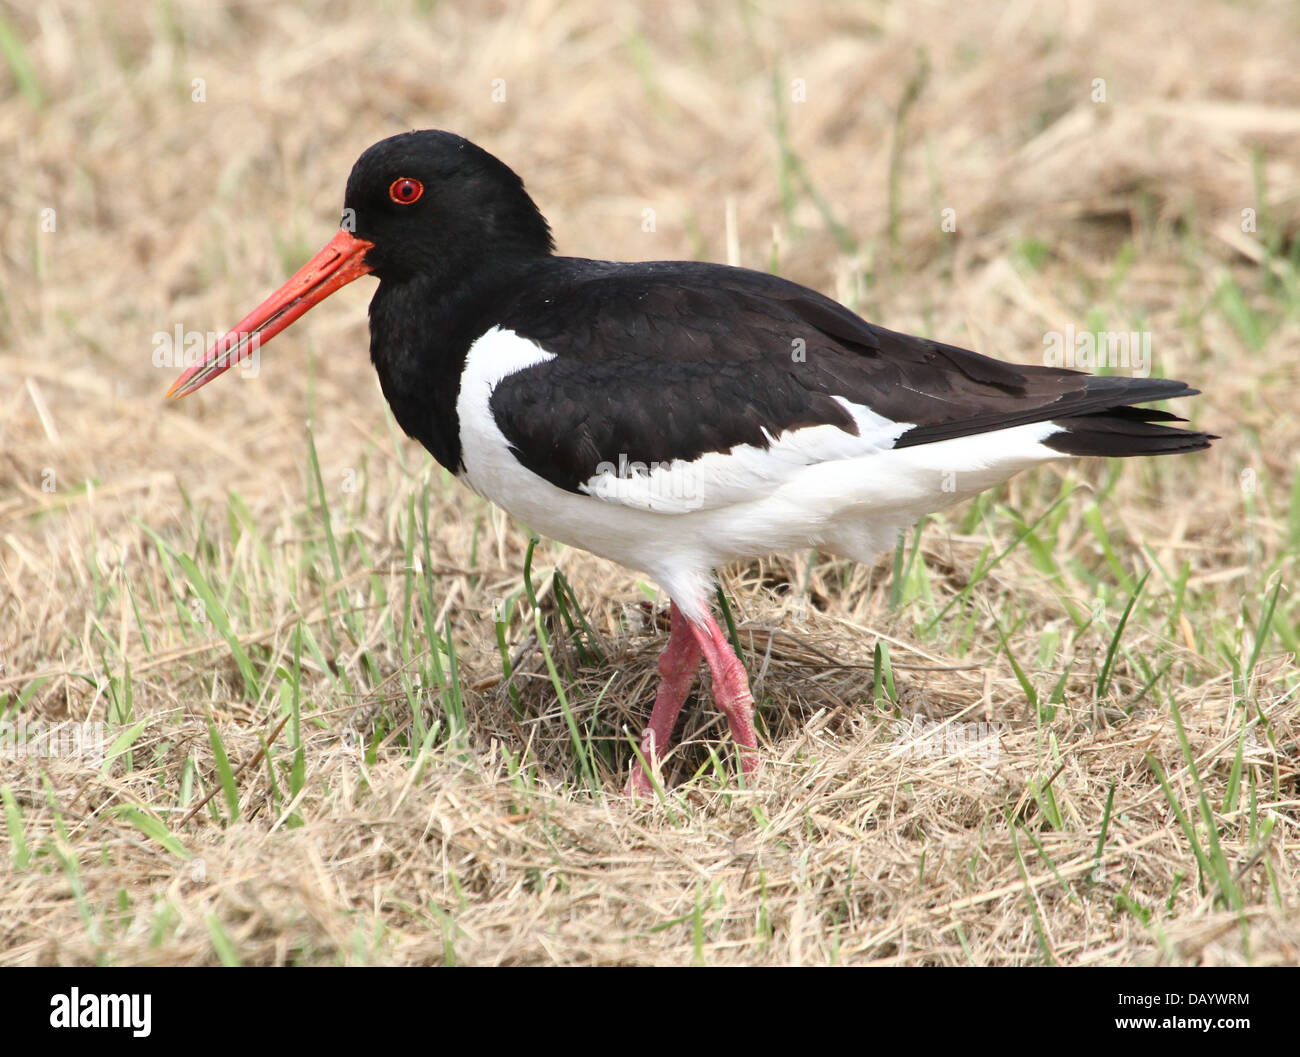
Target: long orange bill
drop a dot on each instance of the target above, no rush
(341, 261)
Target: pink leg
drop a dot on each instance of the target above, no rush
(677, 667)
(730, 689)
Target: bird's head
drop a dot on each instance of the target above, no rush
(428, 205)
(432, 203)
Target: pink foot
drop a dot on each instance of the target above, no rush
(687, 642)
(730, 691)
(677, 667)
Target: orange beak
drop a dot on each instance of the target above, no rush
(341, 261)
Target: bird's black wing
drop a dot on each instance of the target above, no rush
(672, 362)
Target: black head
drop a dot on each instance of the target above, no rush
(435, 204)
(426, 205)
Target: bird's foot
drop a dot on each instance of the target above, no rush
(639, 784)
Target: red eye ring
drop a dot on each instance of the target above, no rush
(405, 191)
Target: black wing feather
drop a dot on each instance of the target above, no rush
(671, 360)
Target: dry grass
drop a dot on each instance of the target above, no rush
(410, 834)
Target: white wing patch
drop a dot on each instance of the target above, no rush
(745, 472)
(490, 467)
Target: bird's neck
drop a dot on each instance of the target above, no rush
(420, 335)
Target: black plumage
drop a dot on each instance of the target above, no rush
(671, 360)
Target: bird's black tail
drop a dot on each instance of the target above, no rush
(1126, 430)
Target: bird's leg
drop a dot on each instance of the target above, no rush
(730, 689)
(677, 667)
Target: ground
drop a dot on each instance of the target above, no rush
(1058, 725)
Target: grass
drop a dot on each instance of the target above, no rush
(354, 714)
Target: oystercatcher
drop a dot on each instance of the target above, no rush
(672, 416)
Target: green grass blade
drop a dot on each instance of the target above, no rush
(224, 773)
(11, 47)
(153, 829)
(1103, 679)
(984, 570)
(575, 735)
(14, 824)
(217, 614)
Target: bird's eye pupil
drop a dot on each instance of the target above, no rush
(405, 191)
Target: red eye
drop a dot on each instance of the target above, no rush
(405, 191)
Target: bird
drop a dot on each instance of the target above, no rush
(672, 416)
